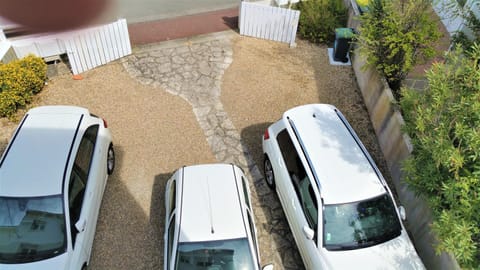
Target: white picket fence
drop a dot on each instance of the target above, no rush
(86, 48)
(267, 22)
(98, 46)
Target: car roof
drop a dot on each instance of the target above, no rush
(342, 168)
(34, 164)
(211, 207)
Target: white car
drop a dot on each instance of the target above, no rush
(339, 208)
(52, 178)
(209, 222)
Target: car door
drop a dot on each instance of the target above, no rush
(299, 204)
(83, 199)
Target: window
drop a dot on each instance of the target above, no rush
(252, 229)
(31, 228)
(172, 197)
(300, 179)
(79, 176)
(245, 192)
(171, 232)
(360, 224)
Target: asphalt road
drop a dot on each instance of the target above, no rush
(149, 10)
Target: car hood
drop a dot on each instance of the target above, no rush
(397, 253)
(58, 263)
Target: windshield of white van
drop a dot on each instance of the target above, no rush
(360, 224)
(31, 229)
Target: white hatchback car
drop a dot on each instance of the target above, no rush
(337, 203)
(52, 178)
(209, 221)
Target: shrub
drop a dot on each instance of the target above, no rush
(319, 18)
(19, 80)
(395, 35)
(444, 124)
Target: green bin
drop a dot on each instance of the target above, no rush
(341, 46)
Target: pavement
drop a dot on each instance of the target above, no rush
(192, 69)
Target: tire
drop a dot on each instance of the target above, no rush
(84, 267)
(110, 160)
(268, 173)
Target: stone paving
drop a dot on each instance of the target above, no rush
(193, 69)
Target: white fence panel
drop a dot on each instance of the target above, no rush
(267, 22)
(98, 46)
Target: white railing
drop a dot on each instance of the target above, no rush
(267, 22)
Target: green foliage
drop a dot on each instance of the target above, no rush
(319, 18)
(444, 124)
(19, 80)
(472, 24)
(395, 35)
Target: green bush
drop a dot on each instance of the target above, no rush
(19, 80)
(395, 35)
(319, 18)
(444, 124)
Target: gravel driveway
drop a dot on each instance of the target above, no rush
(155, 132)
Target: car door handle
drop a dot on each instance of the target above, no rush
(293, 203)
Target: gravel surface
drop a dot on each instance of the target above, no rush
(268, 78)
(155, 133)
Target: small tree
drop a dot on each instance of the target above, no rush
(395, 35)
(444, 124)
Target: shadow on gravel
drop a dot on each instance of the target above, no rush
(276, 224)
(124, 237)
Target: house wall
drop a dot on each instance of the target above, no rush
(396, 147)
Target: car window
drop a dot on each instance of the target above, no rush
(79, 177)
(31, 229)
(245, 192)
(85, 151)
(309, 202)
(171, 232)
(300, 180)
(360, 224)
(172, 197)
(252, 230)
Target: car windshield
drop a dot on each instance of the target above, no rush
(31, 229)
(218, 255)
(360, 224)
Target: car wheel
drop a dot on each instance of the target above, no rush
(110, 160)
(84, 267)
(269, 176)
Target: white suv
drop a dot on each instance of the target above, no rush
(339, 207)
(209, 220)
(52, 178)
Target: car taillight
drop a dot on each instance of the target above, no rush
(105, 123)
(266, 136)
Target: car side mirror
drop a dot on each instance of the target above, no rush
(403, 214)
(309, 233)
(268, 267)
(80, 225)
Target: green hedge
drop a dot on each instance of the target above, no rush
(19, 80)
(444, 124)
(319, 18)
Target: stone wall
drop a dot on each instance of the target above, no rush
(387, 122)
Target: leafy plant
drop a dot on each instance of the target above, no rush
(19, 80)
(395, 35)
(319, 18)
(444, 124)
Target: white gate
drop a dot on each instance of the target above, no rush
(86, 48)
(98, 46)
(267, 22)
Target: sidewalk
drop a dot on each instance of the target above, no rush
(181, 27)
